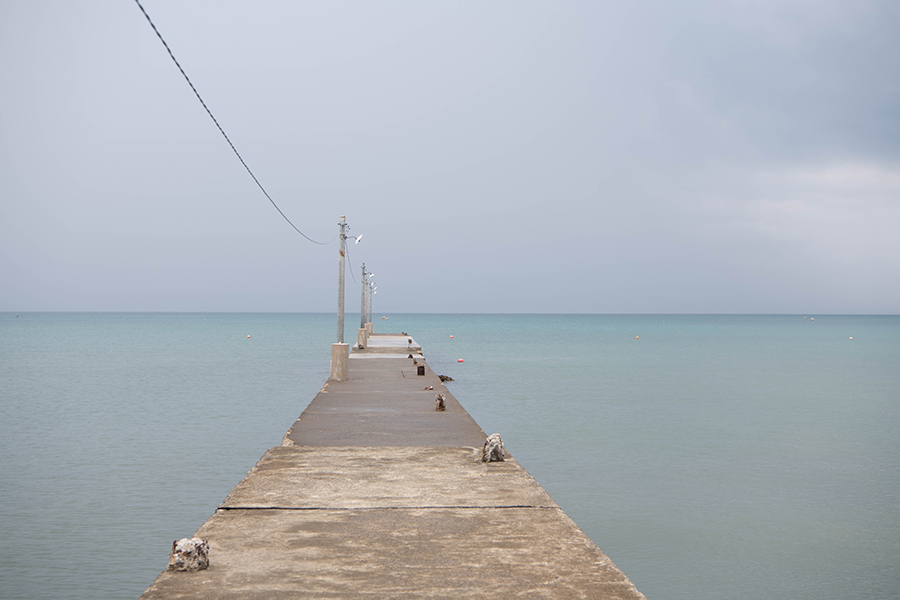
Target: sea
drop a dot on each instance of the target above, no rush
(709, 456)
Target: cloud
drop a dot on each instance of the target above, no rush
(711, 156)
(847, 212)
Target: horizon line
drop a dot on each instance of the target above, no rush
(277, 312)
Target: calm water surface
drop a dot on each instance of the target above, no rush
(714, 457)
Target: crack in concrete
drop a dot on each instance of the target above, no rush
(435, 507)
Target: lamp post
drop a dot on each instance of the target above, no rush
(340, 352)
(362, 336)
(369, 290)
(362, 302)
(342, 251)
(372, 290)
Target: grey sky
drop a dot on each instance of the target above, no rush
(498, 156)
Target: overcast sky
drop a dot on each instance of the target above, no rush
(638, 157)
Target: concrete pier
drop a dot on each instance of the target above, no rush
(373, 493)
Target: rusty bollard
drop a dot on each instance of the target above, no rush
(493, 450)
(439, 403)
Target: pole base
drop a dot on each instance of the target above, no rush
(340, 362)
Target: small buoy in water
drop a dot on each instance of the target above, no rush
(812, 318)
(451, 337)
(460, 360)
(248, 337)
(637, 337)
(851, 337)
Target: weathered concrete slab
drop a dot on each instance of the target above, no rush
(419, 477)
(360, 374)
(396, 383)
(381, 368)
(401, 402)
(385, 429)
(383, 359)
(451, 553)
(375, 354)
(376, 407)
(389, 344)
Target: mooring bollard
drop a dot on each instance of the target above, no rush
(189, 555)
(493, 450)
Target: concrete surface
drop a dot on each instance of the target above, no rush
(390, 343)
(374, 494)
(384, 403)
(377, 477)
(397, 553)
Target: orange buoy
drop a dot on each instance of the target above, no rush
(451, 337)
(460, 360)
(637, 337)
(851, 337)
(248, 337)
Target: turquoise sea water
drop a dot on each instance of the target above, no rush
(714, 457)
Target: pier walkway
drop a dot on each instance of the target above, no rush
(375, 494)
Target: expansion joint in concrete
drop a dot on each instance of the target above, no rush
(434, 507)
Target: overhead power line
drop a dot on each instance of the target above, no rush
(209, 112)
